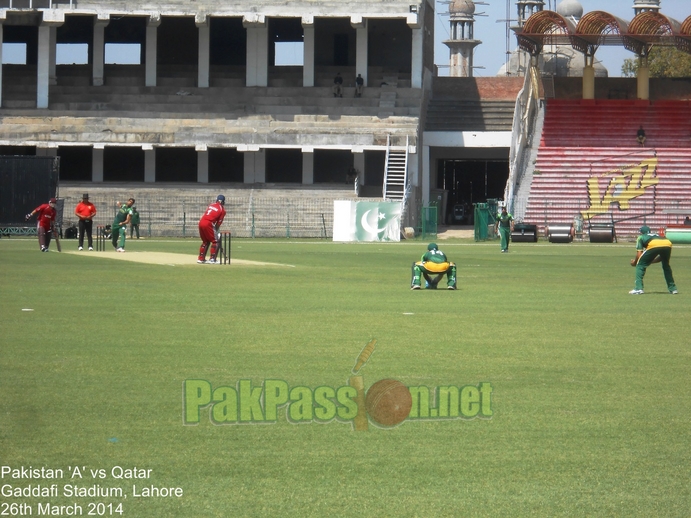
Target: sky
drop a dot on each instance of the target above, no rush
(491, 30)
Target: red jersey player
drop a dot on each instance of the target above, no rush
(46, 222)
(209, 226)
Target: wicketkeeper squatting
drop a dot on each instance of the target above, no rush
(433, 265)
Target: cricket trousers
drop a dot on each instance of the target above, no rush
(44, 237)
(433, 273)
(665, 253)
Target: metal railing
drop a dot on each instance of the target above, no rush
(523, 124)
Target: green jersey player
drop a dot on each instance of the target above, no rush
(122, 219)
(433, 265)
(651, 248)
(504, 225)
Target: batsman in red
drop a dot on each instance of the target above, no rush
(46, 222)
(209, 226)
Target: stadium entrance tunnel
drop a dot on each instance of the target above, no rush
(466, 182)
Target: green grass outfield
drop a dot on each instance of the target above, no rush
(591, 387)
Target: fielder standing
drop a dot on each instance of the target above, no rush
(134, 224)
(45, 222)
(505, 226)
(651, 248)
(209, 225)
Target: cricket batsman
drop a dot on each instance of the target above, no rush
(45, 222)
(209, 225)
(651, 248)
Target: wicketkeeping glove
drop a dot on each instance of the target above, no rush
(28, 217)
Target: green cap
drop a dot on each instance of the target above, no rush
(432, 246)
(644, 229)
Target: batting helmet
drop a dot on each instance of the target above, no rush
(221, 199)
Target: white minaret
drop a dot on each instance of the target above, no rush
(462, 40)
(640, 6)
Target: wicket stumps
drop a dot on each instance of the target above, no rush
(224, 252)
(100, 239)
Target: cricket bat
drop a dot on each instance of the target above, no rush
(364, 355)
(360, 422)
(56, 235)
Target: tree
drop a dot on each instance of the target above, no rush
(629, 68)
(662, 62)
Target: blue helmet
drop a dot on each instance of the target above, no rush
(221, 199)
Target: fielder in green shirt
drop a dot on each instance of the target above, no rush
(433, 265)
(505, 226)
(651, 248)
(134, 223)
(119, 228)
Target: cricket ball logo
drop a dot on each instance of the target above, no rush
(387, 402)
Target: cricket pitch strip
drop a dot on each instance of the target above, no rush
(170, 259)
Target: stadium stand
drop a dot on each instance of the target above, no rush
(589, 163)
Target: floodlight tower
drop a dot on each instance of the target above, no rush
(462, 40)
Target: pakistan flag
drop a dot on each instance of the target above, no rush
(366, 221)
(377, 221)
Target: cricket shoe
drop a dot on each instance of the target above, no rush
(211, 261)
(415, 287)
(451, 287)
(201, 261)
(91, 249)
(80, 248)
(673, 292)
(120, 250)
(636, 292)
